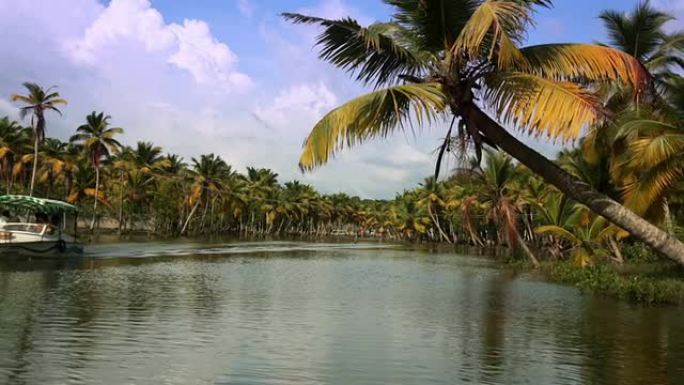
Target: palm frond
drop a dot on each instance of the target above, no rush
(558, 232)
(558, 109)
(500, 23)
(376, 114)
(584, 63)
(371, 52)
(435, 24)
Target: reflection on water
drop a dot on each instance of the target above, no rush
(287, 312)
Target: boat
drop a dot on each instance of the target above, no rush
(49, 228)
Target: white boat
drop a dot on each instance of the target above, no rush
(52, 233)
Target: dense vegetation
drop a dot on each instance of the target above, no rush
(463, 61)
(632, 154)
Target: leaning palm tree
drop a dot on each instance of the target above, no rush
(36, 102)
(436, 61)
(97, 138)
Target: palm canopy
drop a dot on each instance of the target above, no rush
(97, 137)
(36, 102)
(641, 33)
(435, 59)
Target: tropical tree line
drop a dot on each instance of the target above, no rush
(620, 105)
(494, 203)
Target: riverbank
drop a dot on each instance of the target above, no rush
(660, 283)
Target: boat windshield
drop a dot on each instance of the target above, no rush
(33, 228)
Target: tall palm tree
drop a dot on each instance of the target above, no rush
(436, 60)
(97, 138)
(36, 102)
(641, 149)
(641, 33)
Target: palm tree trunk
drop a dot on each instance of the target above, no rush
(436, 221)
(121, 202)
(36, 144)
(526, 249)
(600, 204)
(192, 212)
(97, 195)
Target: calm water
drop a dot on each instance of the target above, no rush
(297, 313)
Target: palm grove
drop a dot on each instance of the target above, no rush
(455, 64)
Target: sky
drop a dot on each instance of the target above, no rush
(230, 77)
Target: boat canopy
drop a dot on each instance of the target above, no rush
(48, 206)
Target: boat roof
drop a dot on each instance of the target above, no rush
(48, 206)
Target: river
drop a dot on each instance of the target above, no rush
(314, 313)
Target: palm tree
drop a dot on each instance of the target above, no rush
(97, 138)
(13, 141)
(148, 157)
(641, 33)
(431, 196)
(36, 102)
(437, 60)
(502, 206)
(588, 237)
(638, 152)
(209, 174)
(54, 154)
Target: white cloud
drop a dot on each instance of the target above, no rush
(674, 8)
(166, 82)
(207, 59)
(123, 19)
(190, 46)
(302, 103)
(245, 7)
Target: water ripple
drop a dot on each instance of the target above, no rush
(294, 312)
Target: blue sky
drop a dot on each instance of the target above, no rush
(229, 77)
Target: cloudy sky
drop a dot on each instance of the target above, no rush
(227, 76)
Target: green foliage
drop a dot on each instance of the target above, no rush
(607, 280)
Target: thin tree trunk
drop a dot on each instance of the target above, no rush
(97, 195)
(600, 204)
(436, 221)
(526, 249)
(615, 249)
(187, 221)
(36, 144)
(669, 224)
(121, 202)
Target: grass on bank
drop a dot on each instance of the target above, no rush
(645, 278)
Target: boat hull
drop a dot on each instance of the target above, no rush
(44, 249)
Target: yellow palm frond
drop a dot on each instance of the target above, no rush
(651, 142)
(583, 62)
(641, 193)
(492, 22)
(651, 163)
(611, 231)
(17, 169)
(558, 232)
(376, 114)
(559, 109)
